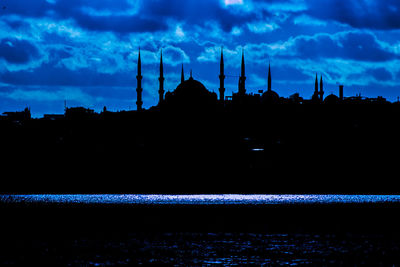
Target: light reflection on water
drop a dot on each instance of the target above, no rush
(222, 199)
(209, 249)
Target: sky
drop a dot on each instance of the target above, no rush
(84, 52)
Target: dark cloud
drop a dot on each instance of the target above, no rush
(120, 24)
(195, 12)
(358, 14)
(380, 74)
(17, 51)
(50, 75)
(37, 8)
(41, 8)
(352, 45)
(153, 15)
(116, 21)
(16, 24)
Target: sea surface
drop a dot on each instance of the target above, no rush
(204, 249)
(199, 230)
(211, 199)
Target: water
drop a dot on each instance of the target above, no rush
(221, 199)
(204, 249)
(198, 230)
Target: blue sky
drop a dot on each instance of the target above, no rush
(85, 51)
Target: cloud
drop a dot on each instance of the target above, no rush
(232, 57)
(121, 24)
(38, 8)
(198, 12)
(133, 16)
(49, 75)
(262, 27)
(174, 56)
(43, 95)
(16, 51)
(233, 2)
(380, 74)
(308, 21)
(99, 15)
(358, 13)
(353, 45)
(288, 73)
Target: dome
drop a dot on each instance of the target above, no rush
(331, 99)
(191, 87)
(270, 97)
(191, 93)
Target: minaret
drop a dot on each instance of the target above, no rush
(221, 78)
(139, 89)
(242, 79)
(321, 89)
(182, 75)
(161, 80)
(316, 84)
(269, 78)
(315, 95)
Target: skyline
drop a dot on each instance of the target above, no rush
(85, 52)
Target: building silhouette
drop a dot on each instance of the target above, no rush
(241, 97)
(192, 94)
(17, 116)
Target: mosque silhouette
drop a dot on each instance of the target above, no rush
(193, 95)
(195, 141)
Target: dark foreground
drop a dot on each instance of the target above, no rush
(200, 235)
(300, 149)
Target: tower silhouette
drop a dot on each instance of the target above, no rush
(161, 80)
(270, 97)
(139, 88)
(269, 78)
(182, 75)
(321, 89)
(316, 84)
(242, 78)
(316, 95)
(341, 97)
(221, 78)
